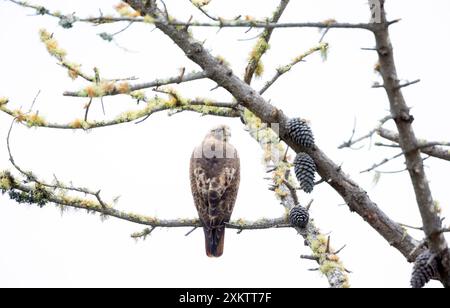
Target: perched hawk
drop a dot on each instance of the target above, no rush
(215, 175)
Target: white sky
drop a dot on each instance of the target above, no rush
(147, 164)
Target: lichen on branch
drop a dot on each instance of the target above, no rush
(154, 105)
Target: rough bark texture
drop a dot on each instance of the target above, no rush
(403, 119)
(425, 147)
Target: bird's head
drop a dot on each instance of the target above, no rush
(221, 132)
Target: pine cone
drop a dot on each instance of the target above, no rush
(300, 132)
(299, 217)
(423, 270)
(305, 170)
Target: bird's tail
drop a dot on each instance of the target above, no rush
(214, 240)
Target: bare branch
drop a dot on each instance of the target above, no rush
(292, 190)
(123, 29)
(384, 161)
(286, 68)
(115, 89)
(432, 148)
(204, 12)
(352, 141)
(88, 107)
(369, 49)
(312, 258)
(409, 83)
(308, 206)
(34, 101)
(411, 227)
(340, 249)
(268, 25)
(100, 201)
(392, 145)
(234, 23)
(190, 232)
(401, 114)
(328, 244)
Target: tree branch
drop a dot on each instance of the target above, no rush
(235, 23)
(351, 141)
(286, 68)
(204, 107)
(203, 11)
(408, 142)
(105, 209)
(111, 88)
(384, 161)
(268, 25)
(431, 148)
(263, 44)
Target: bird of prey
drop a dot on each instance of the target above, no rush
(215, 176)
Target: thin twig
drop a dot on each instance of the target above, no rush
(407, 84)
(88, 106)
(322, 180)
(432, 148)
(286, 68)
(190, 232)
(312, 258)
(308, 206)
(233, 23)
(351, 142)
(384, 161)
(340, 249)
(328, 244)
(201, 9)
(401, 170)
(166, 11)
(124, 29)
(292, 190)
(99, 199)
(140, 86)
(34, 101)
(392, 145)
(411, 227)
